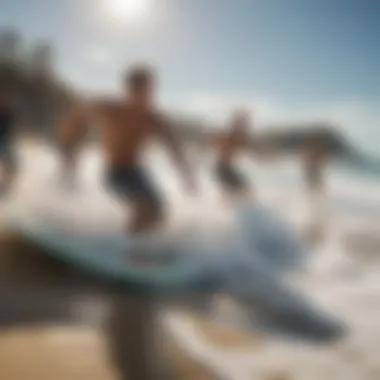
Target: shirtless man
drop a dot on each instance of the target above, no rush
(232, 143)
(314, 161)
(7, 137)
(125, 126)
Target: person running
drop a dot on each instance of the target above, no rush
(232, 143)
(7, 137)
(314, 162)
(125, 125)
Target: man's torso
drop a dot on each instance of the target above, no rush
(124, 131)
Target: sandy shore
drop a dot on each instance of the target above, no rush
(61, 350)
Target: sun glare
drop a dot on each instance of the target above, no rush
(130, 10)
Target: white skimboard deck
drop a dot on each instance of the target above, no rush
(181, 262)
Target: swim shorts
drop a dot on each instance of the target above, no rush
(7, 143)
(7, 153)
(230, 177)
(132, 183)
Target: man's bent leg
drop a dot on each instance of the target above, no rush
(68, 164)
(9, 169)
(133, 186)
(146, 216)
(233, 183)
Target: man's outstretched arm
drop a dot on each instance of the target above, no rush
(173, 144)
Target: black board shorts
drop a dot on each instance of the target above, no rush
(7, 137)
(133, 184)
(229, 177)
(7, 153)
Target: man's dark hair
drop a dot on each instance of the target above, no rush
(138, 76)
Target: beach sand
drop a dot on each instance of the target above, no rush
(64, 350)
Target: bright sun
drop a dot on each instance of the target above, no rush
(128, 9)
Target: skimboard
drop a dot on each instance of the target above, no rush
(269, 237)
(163, 264)
(229, 269)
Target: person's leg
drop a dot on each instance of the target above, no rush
(139, 197)
(9, 167)
(233, 183)
(68, 164)
(316, 226)
(146, 216)
(316, 192)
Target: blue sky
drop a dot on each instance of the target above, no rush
(288, 48)
(296, 53)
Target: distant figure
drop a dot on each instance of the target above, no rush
(234, 141)
(314, 163)
(7, 138)
(125, 126)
